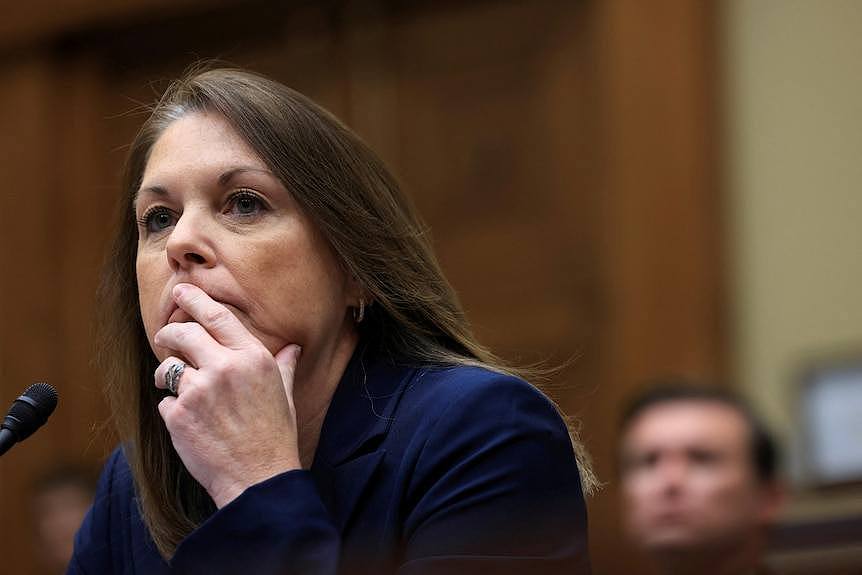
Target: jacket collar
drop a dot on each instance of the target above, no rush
(357, 421)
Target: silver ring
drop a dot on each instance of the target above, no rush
(172, 376)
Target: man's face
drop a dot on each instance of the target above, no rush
(687, 478)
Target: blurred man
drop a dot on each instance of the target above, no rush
(699, 481)
(61, 498)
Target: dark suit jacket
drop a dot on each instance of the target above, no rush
(417, 471)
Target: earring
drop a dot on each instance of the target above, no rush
(359, 313)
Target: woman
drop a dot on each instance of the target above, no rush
(293, 380)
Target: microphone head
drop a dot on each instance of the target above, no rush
(31, 410)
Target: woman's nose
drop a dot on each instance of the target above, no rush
(190, 242)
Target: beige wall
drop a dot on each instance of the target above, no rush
(794, 172)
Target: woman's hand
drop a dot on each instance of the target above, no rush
(233, 422)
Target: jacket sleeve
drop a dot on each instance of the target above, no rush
(279, 526)
(260, 532)
(496, 488)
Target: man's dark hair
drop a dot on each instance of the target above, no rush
(763, 449)
(65, 474)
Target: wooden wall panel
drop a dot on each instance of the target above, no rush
(87, 183)
(36, 21)
(31, 341)
(476, 153)
(660, 240)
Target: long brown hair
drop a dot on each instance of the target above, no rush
(360, 210)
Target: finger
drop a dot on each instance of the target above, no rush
(162, 370)
(213, 316)
(191, 340)
(165, 406)
(286, 359)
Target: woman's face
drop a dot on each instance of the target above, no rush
(210, 213)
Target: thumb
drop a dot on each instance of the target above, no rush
(286, 359)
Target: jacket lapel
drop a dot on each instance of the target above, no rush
(357, 421)
(341, 487)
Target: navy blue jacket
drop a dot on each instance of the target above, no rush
(417, 471)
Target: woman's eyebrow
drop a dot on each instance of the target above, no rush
(226, 176)
(223, 180)
(157, 190)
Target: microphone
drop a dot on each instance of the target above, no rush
(27, 414)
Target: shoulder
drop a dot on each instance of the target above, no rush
(114, 491)
(99, 538)
(446, 384)
(481, 396)
(464, 411)
(115, 481)
(488, 453)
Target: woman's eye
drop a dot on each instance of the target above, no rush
(157, 219)
(245, 204)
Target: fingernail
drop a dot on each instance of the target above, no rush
(180, 289)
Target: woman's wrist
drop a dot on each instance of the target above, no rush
(225, 492)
